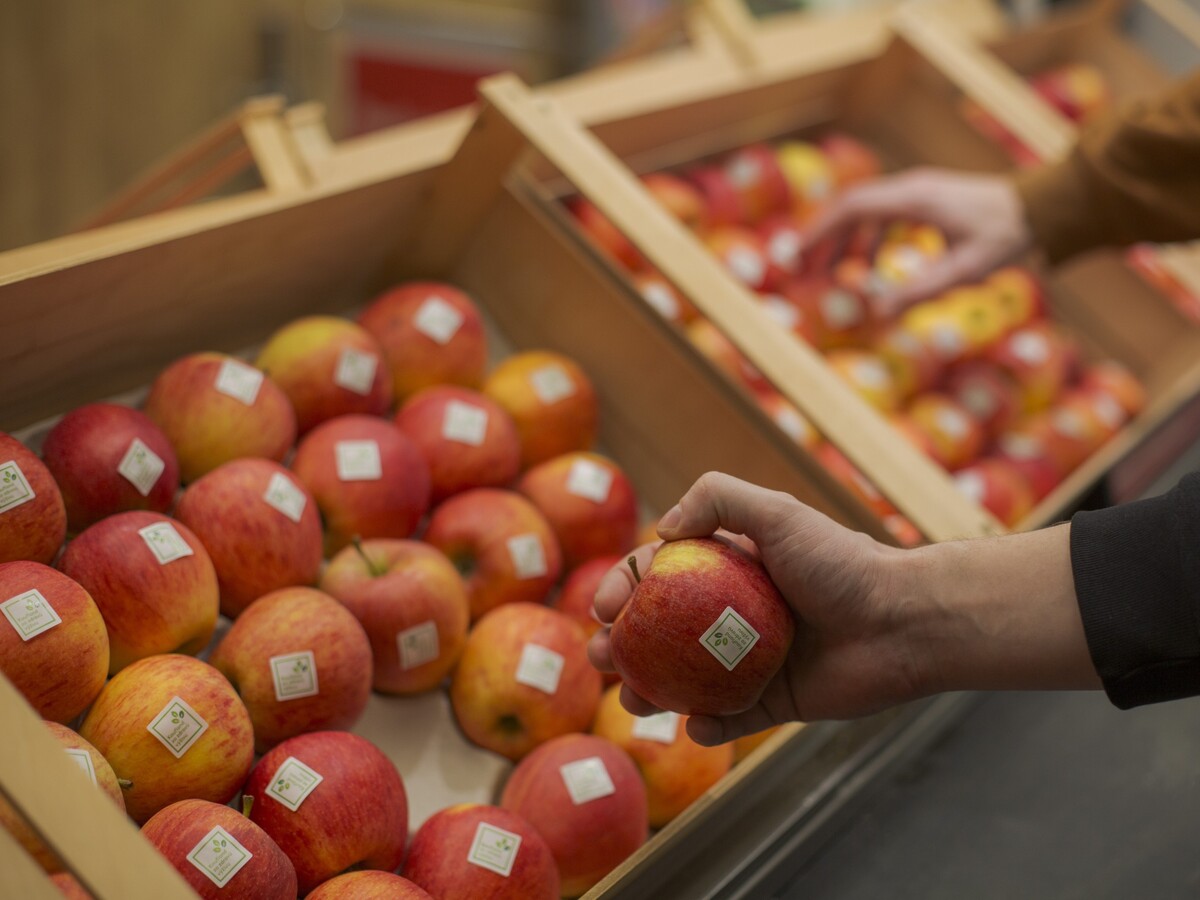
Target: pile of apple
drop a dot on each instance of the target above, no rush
(981, 378)
(365, 507)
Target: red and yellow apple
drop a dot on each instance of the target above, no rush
(369, 884)
(948, 433)
(678, 197)
(998, 486)
(33, 519)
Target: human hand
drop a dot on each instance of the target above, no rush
(981, 217)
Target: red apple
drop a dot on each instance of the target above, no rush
(523, 678)
(174, 727)
(551, 401)
(677, 196)
(108, 458)
(783, 237)
(332, 801)
(721, 203)
(850, 160)
(328, 366)
(868, 374)
(254, 503)
(1042, 359)
(473, 850)
(998, 486)
(676, 769)
(431, 333)
(502, 546)
(704, 631)
(604, 234)
(951, 435)
(987, 392)
(53, 646)
(214, 408)
(841, 317)
(467, 439)
(300, 662)
(152, 580)
(33, 520)
(715, 346)
(221, 853)
(755, 173)
(663, 298)
(584, 795)
(1113, 379)
(588, 500)
(368, 477)
(913, 364)
(412, 604)
(369, 884)
(1028, 454)
(744, 254)
(578, 593)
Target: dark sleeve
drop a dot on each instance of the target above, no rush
(1137, 579)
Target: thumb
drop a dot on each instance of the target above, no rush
(719, 501)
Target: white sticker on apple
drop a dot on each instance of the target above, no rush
(438, 320)
(551, 383)
(527, 555)
(793, 425)
(871, 373)
(952, 423)
(494, 849)
(14, 487)
(219, 855)
(418, 645)
(970, 485)
(540, 667)
(746, 265)
(589, 480)
(784, 248)
(294, 675)
(83, 759)
(1030, 347)
(165, 542)
(729, 638)
(840, 310)
(178, 726)
(358, 460)
(587, 779)
(30, 614)
(465, 423)
(240, 381)
(283, 495)
(293, 782)
(355, 371)
(661, 727)
(141, 466)
(662, 299)
(782, 312)
(981, 402)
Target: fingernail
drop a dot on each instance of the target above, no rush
(670, 521)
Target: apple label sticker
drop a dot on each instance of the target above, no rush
(782, 312)
(177, 727)
(355, 371)
(744, 171)
(293, 782)
(793, 425)
(30, 614)
(527, 555)
(219, 856)
(784, 248)
(551, 383)
(589, 480)
(978, 400)
(953, 423)
(946, 340)
(662, 727)
(358, 461)
(494, 849)
(660, 297)
(872, 373)
(14, 488)
(1030, 347)
(729, 638)
(418, 645)
(587, 779)
(283, 495)
(465, 423)
(970, 485)
(540, 668)
(438, 320)
(295, 675)
(746, 265)
(83, 759)
(237, 380)
(141, 466)
(840, 309)
(165, 542)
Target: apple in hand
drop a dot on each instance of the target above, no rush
(467, 439)
(53, 645)
(411, 602)
(588, 500)
(584, 795)
(473, 850)
(367, 476)
(369, 884)
(214, 408)
(220, 853)
(523, 678)
(502, 546)
(33, 519)
(332, 801)
(254, 504)
(153, 582)
(704, 630)
(174, 727)
(107, 459)
(328, 366)
(300, 662)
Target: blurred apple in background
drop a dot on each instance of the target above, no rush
(412, 604)
(53, 645)
(254, 503)
(604, 234)
(107, 459)
(841, 317)
(915, 367)
(1019, 292)
(367, 476)
(369, 884)
(663, 298)
(1114, 379)
(327, 366)
(721, 203)
(523, 678)
(868, 375)
(300, 662)
(174, 727)
(1028, 454)
(214, 408)
(716, 347)
(33, 520)
(952, 436)
(153, 582)
(431, 333)
(333, 802)
(783, 237)
(790, 420)
(982, 321)
(759, 181)
(676, 769)
(551, 401)
(473, 850)
(849, 159)
(221, 853)
(501, 545)
(677, 196)
(744, 255)
(1041, 358)
(987, 392)
(998, 486)
(809, 175)
(466, 439)
(584, 795)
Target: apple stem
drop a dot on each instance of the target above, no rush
(375, 570)
(124, 784)
(247, 804)
(632, 561)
